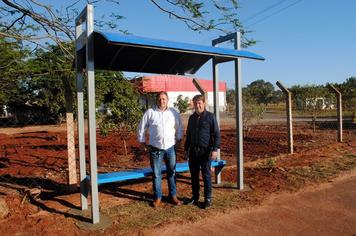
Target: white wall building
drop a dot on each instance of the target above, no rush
(176, 85)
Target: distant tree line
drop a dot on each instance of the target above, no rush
(35, 87)
(308, 98)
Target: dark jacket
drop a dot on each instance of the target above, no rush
(202, 131)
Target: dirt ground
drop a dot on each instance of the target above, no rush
(327, 209)
(33, 173)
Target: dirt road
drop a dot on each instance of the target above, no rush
(329, 209)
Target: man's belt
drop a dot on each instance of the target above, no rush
(198, 149)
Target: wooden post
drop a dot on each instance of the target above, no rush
(72, 169)
(289, 115)
(339, 109)
(201, 89)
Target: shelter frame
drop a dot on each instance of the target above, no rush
(182, 58)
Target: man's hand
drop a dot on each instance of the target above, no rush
(214, 155)
(143, 147)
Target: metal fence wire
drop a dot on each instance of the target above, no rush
(39, 153)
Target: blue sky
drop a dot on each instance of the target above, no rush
(303, 41)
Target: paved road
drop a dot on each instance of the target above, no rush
(329, 209)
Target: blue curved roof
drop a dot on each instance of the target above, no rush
(113, 51)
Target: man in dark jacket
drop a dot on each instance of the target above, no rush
(201, 146)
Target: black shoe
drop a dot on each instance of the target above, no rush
(207, 203)
(191, 201)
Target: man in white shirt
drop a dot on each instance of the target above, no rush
(165, 130)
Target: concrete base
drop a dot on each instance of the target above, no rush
(86, 223)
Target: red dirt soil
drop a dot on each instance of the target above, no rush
(38, 159)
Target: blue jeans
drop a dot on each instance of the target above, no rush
(169, 157)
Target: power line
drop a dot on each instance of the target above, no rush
(263, 11)
(274, 13)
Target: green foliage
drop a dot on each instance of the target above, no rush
(261, 91)
(32, 21)
(230, 101)
(312, 98)
(230, 96)
(122, 101)
(50, 80)
(182, 104)
(251, 110)
(348, 90)
(11, 65)
(269, 163)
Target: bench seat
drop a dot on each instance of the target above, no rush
(144, 172)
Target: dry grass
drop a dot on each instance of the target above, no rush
(138, 215)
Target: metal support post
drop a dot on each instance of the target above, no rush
(80, 116)
(87, 39)
(91, 114)
(239, 122)
(216, 111)
(289, 115)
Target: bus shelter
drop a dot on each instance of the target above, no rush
(113, 51)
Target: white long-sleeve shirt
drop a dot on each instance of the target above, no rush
(164, 127)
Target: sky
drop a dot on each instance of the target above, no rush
(305, 42)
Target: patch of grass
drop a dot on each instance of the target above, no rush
(321, 171)
(269, 163)
(139, 215)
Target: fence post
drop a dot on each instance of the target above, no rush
(72, 169)
(339, 109)
(201, 89)
(289, 115)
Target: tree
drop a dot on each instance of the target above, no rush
(348, 90)
(312, 99)
(11, 65)
(277, 97)
(261, 91)
(230, 100)
(50, 81)
(251, 110)
(38, 22)
(122, 100)
(182, 104)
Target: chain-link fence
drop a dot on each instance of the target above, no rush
(38, 153)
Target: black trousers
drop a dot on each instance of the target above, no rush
(199, 159)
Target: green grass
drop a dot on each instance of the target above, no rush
(320, 171)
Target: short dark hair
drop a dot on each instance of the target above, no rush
(198, 97)
(160, 93)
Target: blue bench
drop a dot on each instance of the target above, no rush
(142, 173)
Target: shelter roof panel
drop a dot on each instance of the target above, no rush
(113, 51)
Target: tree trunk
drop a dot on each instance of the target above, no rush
(125, 147)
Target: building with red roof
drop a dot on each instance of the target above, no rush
(176, 85)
